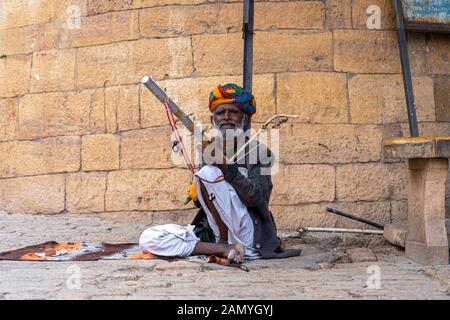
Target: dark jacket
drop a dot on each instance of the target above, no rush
(254, 191)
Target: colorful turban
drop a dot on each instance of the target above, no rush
(232, 94)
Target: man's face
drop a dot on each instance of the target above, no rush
(228, 117)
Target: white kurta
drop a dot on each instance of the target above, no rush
(176, 240)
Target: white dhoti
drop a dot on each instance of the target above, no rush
(169, 240)
(176, 240)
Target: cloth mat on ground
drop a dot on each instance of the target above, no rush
(94, 251)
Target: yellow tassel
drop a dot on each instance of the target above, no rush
(193, 191)
(192, 194)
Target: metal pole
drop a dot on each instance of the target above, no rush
(343, 230)
(370, 223)
(404, 59)
(247, 29)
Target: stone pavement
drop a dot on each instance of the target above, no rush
(322, 272)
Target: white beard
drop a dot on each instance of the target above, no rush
(237, 131)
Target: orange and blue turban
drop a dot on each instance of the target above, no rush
(231, 93)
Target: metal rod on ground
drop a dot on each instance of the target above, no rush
(340, 213)
(406, 70)
(343, 230)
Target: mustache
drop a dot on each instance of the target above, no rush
(225, 123)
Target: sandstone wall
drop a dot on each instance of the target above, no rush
(79, 134)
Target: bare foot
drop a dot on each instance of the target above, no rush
(235, 253)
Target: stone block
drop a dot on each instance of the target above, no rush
(154, 189)
(442, 97)
(295, 184)
(19, 13)
(425, 255)
(148, 148)
(170, 21)
(399, 211)
(361, 255)
(273, 52)
(304, 215)
(9, 126)
(438, 54)
(408, 148)
(122, 108)
(291, 14)
(429, 129)
(371, 182)
(85, 192)
(380, 99)
(178, 217)
(376, 211)
(97, 116)
(51, 155)
(27, 39)
(100, 152)
(53, 70)
(55, 113)
(366, 52)
(427, 241)
(316, 97)
(417, 147)
(314, 214)
(15, 75)
(396, 233)
(37, 194)
(95, 7)
(339, 14)
(127, 62)
(342, 143)
(106, 28)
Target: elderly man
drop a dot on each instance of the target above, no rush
(234, 221)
